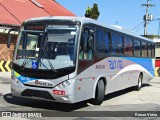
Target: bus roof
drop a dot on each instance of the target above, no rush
(84, 20)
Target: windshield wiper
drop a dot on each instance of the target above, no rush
(45, 53)
(26, 59)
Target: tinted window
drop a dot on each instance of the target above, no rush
(117, 44)
(153, 50)
(100, 41)
(86, 44)
(157, 45)
(106, 42)
(137, 48)
(144, 49)
(103, 41)
(128, 49)
(149, 50)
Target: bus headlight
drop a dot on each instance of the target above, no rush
(66, 83)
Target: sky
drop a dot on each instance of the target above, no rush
(125, 13)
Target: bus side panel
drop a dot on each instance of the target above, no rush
(119, 72)
(147, 66)
(85, 82)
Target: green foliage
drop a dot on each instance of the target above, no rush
(92, 12)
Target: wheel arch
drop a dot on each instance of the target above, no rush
(105, 84)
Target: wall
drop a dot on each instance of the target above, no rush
(6, 54)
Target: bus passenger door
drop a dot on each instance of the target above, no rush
(85, 68)
(86, 49)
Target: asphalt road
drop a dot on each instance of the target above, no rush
(118, 105)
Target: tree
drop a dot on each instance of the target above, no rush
(88, 12)
(92, 12)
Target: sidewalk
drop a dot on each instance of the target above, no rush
(5, 75)
(155, 80)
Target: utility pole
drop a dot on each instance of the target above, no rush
(148, 17)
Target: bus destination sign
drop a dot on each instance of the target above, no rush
(35, 27)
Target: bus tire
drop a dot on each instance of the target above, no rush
(140, 80)
(100, 93)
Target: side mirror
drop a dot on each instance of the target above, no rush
(9, 41)
(40, 40)
(9, 36)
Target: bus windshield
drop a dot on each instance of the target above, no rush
(53, 49)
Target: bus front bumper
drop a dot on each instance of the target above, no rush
(56, 94)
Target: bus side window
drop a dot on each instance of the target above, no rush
(137, 48)
(153, 50)
(128, 46)
(86, 45)
(117, 44)
(149, 50)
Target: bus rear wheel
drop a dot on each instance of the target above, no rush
(100, 93)
(140, 80)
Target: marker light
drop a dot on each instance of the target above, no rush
(59, 92)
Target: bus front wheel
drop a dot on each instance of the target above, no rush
(100, 93)
(140, 80)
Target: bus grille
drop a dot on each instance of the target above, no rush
(37, 93)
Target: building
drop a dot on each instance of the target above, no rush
(14, 12)
(156, 39)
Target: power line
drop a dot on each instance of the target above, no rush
(138, 29)
(138, 25)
